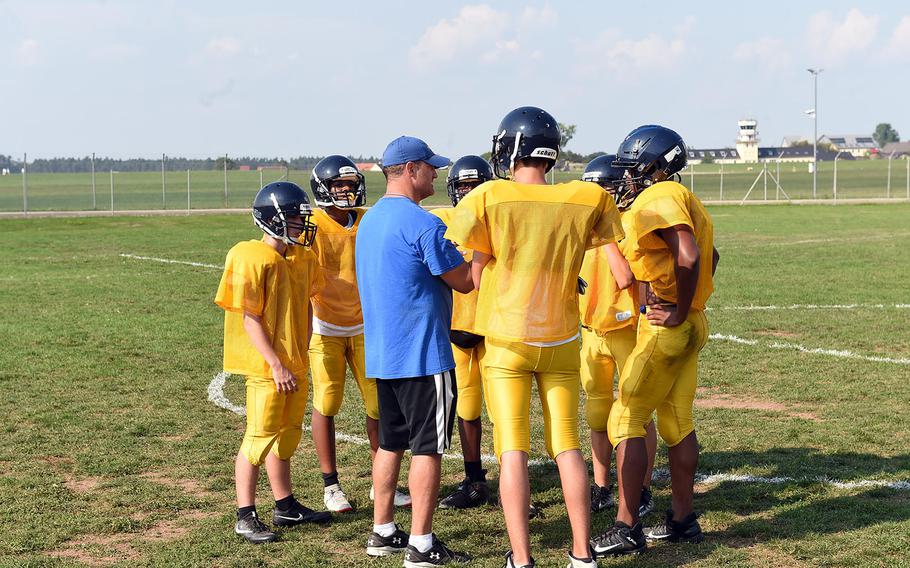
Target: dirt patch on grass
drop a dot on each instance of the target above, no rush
(777, 333)
(103, 550)
(81, 485)
(189, 486)
(764, 556)
(175, 438)
(717, 400)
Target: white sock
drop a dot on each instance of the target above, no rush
(422, 542)
(385, 530)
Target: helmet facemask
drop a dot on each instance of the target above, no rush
(354, 195)
(279, 226)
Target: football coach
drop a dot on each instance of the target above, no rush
(406, 271)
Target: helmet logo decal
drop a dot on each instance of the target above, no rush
(468, 174)
(347, 170)
(548, 153)
(675, 151)
(636, 148)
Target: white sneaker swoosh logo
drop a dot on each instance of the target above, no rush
(299, 517)
(606, 548)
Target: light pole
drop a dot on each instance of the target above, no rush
(815, 73)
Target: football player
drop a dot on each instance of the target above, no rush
(529, 240)
(671, 250)
(609, 318)
(265, 293)
(340, 193)
(464, 175)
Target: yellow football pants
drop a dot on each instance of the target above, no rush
(328, 356)
(508, 369)
(661, 374)
(601, 355)
(467, 377)
(273, 420)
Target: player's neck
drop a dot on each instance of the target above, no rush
(338, 215)
(280, 246)
(531, 175)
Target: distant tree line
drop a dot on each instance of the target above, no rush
(77, 165)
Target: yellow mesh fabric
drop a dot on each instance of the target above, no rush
(661, 206)
(258, 280)
(463, 305)
(537, 235)
(603, 306)
(338, 302)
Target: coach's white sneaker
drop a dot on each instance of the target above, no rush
(401, 499)
(335, 500)
(582, 562)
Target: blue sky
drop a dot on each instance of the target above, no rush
(284, 79)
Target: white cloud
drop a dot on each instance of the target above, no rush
(832, 41)
(501, 50)
(532, 16)
(771, 53)
(222, 47)
(473, 26)
(899, 44)
(27, 54)
(610, 51)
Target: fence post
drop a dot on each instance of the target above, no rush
(187, 190)
(907, 157)
(260, 178)
(25, 183)
(94, 193)
(890, 159)
(721, 181)
(836, 156)
(225, 182)
(163, 185)
(765, 179)
(692, 179)
(112, 190)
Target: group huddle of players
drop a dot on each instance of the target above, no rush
(576, 282)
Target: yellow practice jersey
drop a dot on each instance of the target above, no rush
(463, 305)
(537, 236)
(338, 301)
(663, 205)
(603, 306)
(258, 280)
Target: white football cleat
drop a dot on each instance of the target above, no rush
(335, 500)
(401, 499)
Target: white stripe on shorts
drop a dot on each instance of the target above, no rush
(444, 396)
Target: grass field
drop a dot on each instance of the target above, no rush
(112, 454)
(50, 192)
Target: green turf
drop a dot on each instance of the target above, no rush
(132, 191)
(112, 454)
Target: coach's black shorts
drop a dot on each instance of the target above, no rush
(417, 413)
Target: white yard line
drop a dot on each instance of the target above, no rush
(772, 307)
(839, 353)
(169, 261)
(216, 395)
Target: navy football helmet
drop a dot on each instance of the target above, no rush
(649, 154)
(278, 201)
(601, 171)
(526, 132)
(335, 170)
(465, 174)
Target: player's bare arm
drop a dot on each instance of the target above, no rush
(715, 258)
(619, 266)
(686, 258)
(478, 261)
(459, 278)
(285, 381)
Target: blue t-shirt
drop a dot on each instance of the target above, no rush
(407, 308)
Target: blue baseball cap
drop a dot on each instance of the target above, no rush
(406, 149)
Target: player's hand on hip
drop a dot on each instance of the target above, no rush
(285, 381)
(659, 315)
